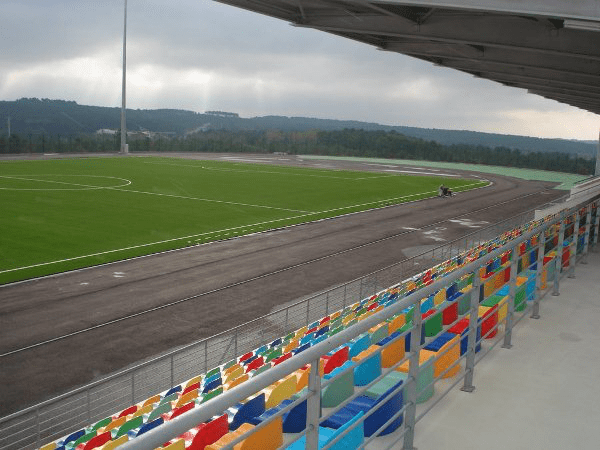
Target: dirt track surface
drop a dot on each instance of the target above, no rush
(43, 309)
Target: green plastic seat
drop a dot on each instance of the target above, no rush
(102, 423)
(212, 372)
(128, 426)
(383, 385)
(161, 409)
(212, 394)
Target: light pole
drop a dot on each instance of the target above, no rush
(124, 147)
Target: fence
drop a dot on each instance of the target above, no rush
(566, 236)
(50, 419)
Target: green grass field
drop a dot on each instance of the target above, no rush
(64, 214)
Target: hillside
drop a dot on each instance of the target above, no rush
(66, 118)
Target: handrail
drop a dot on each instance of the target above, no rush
(217, 405)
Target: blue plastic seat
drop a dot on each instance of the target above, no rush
(173, 390)
(212, 385)
(294, 420)
(351, 441)
(364, 404)
(244, 412)
(359, 344)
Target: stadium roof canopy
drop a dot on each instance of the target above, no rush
(549, 47)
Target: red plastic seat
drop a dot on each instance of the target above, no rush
(97, 441)
(209, 433)
(255, 364)
(128, 411)
(450, 313)
(191, 387)
(335, 360)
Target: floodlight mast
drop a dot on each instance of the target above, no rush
(124, 146)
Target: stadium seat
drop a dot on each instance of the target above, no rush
(102, 423)
(184, 399)
(110, 445)
(368, 367)
(151, 400)
(173, 390)
(335, 360)
(208, 433)
(269, 437)
(72, 437)
(389, 380)
(425, 388)
(98, 441)
(293, 421)
(191, 387)
(385, 409)
(128, 426)
(359, 344)
(242, 412)
(148, 426)
(113, 424)
(447, 350)
(340, 388)
(236, 382)
(352, 440)
(178, 444)
(394, 352)
(178, 411)
(279, 391)
(378, 332)
(163, 408)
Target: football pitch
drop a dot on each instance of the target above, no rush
(64, 214)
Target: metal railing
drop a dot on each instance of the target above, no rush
(571, 222)
(51, 419)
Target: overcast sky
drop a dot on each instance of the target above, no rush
(201, 55)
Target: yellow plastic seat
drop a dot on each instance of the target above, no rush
(114, 424)
(50, 446)
(143, 410)
(235, 382)
(188, 397)
(270, 437)
(439, 297)
(114, 444)
(179, 444)
(445, 360)
(291, 346)
(152, 400)
(393, 353)
(280, 391)
(238, 371)
(194, 380)
(232, 368)
(396, 323)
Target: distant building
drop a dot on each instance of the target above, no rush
(221, 114)
(107, 131)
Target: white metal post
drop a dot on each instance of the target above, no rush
(313, 406)
(472, 334)
(573, 246)
(559, 254)
(512, 294)
(535, 312)
(410, 391)
(586, 237)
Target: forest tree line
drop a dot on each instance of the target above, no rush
(347, 142)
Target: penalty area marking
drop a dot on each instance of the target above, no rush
(81, 187)
(216, 232)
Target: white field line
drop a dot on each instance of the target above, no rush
(207, 200)
(89, 186)
(261, 171)
(218, 231)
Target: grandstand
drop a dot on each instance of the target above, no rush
(355, 376)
